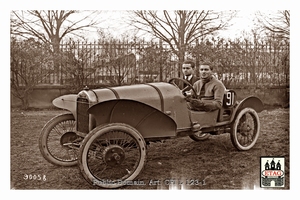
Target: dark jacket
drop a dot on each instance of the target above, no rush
(213, 97)
(192, 81)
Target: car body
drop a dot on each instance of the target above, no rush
(102, 120)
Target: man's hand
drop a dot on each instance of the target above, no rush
(188, 98)
(195, 103)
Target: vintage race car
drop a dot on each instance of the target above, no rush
(106, 131)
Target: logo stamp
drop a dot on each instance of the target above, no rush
(272, 172)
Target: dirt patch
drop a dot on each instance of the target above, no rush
(210, 164)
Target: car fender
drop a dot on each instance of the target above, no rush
(149, 121)
(249, 102)
(67, 102)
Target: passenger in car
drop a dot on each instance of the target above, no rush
(188, 71)
(209, 91)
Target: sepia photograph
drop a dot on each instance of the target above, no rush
(150, 99)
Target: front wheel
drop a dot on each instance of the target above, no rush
(112, 155)
(245, 129)
(58, 142)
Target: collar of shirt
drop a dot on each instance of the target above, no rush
(188, 77)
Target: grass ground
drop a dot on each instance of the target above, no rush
(210, 164)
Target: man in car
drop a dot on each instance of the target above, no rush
(209, 91)
(188, 72)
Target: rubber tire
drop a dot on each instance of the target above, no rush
(43, 140)
(233, 133)
(197, 138)
(98, 131)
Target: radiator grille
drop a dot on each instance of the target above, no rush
(82, 115)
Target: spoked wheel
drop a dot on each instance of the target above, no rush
(245, 129)
(188, 87)
(112, 155)
(58, 141)
(199, 136)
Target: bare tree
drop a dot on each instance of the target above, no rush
(30, 64)
(122, 68)
(117, 64)
(78, 65)
(51, 26)
(180, 28)
(277, 23)
(48, 27)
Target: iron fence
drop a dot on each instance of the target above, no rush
(237, 64)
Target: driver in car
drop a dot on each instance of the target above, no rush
(209, 91)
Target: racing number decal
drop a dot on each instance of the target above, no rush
(229, 98)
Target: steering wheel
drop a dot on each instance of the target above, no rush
(188, 87)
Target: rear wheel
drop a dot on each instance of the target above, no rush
(112, 155)
(58, 142)
(245, 129)
(199, 136)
